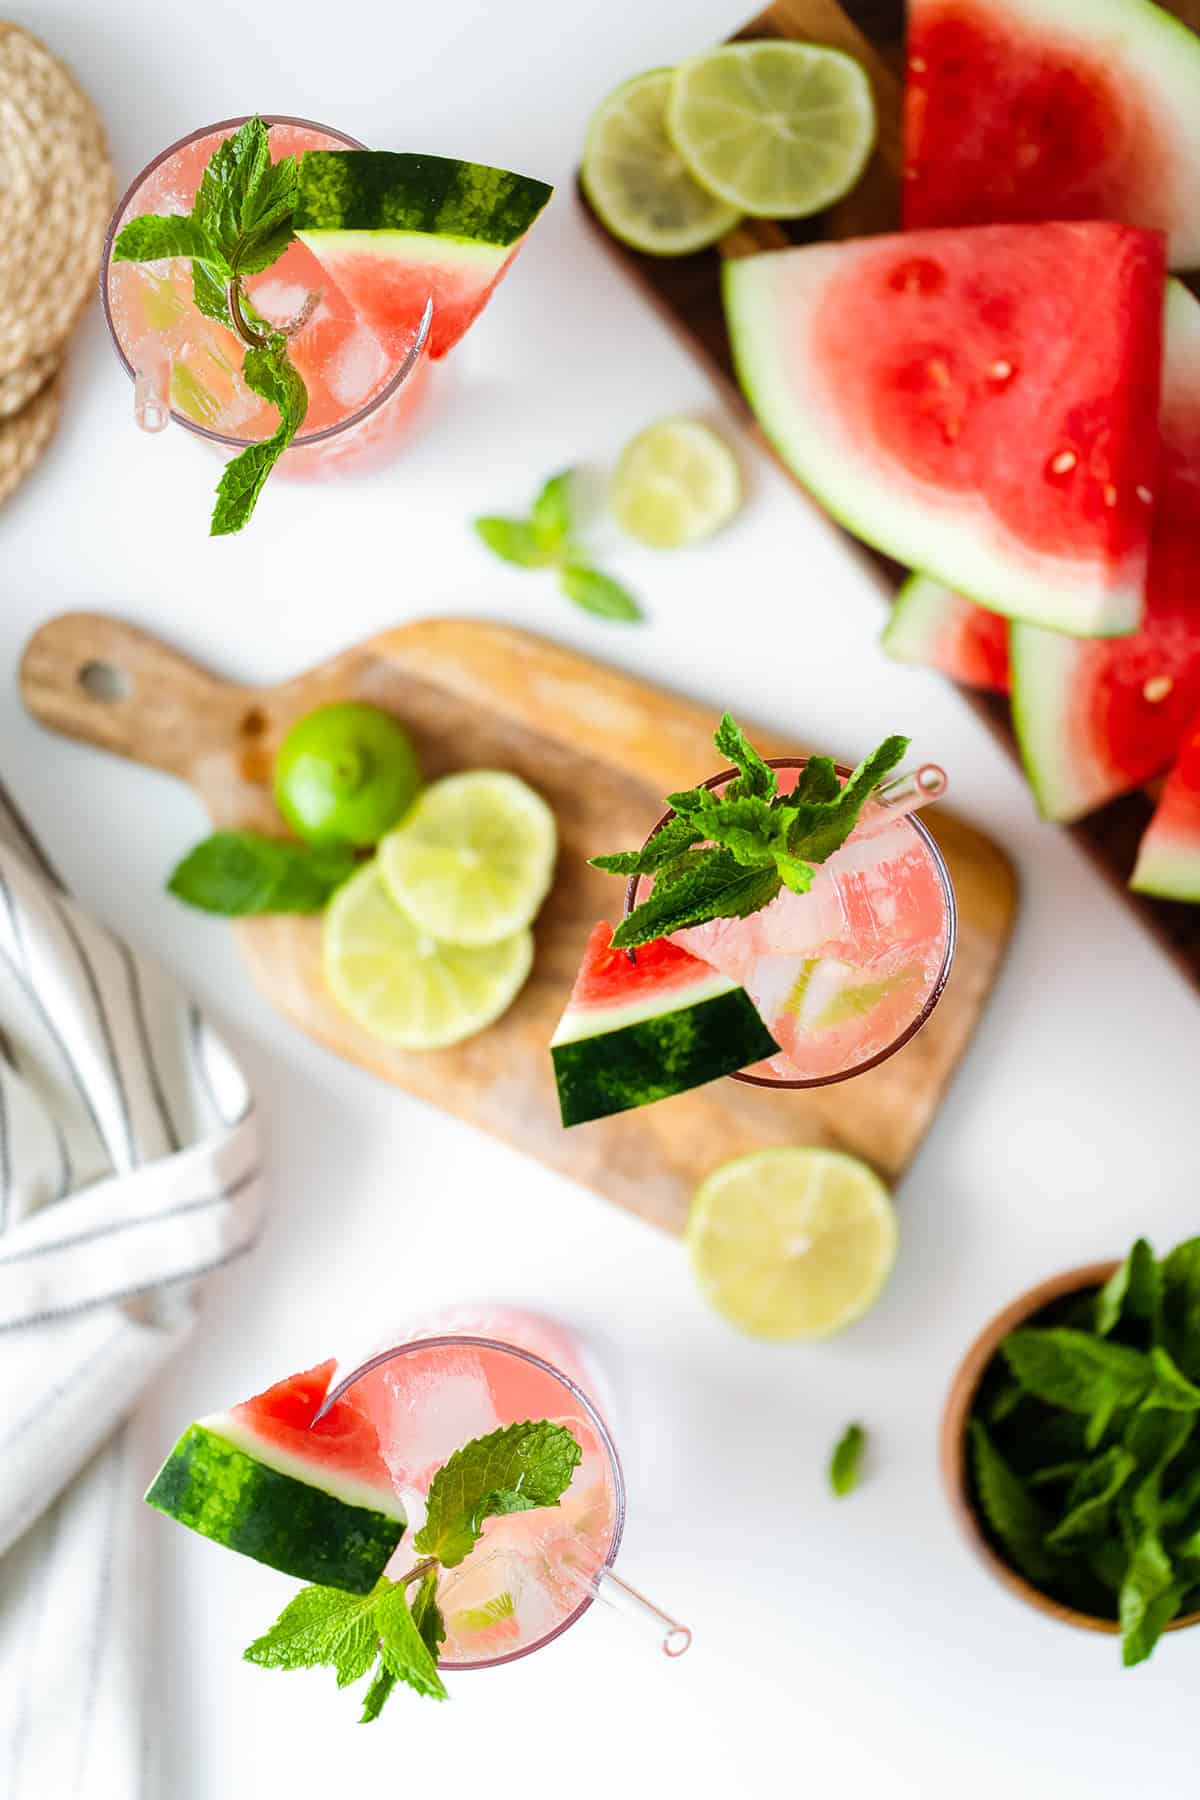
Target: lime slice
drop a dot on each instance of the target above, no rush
(404, 987)
(778, 130)
(473, 860)
(676, 483)
(636, 180)
(792, 1243)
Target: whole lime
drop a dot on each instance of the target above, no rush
(345, 774)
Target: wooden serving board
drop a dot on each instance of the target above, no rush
(603, 748)
(686, 290)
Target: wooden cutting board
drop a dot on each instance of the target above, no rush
(686, 290)
(603, 748)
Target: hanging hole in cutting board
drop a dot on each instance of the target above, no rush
(104, 682)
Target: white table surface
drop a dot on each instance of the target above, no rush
(842, 1648)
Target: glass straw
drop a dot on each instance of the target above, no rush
(916, 787)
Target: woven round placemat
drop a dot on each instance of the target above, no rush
(25, 436)
(56, 195)
(17, 389)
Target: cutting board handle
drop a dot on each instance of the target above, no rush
(96, 678)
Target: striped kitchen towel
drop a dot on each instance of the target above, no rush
(129, 1170)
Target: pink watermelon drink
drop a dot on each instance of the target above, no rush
(358, 406)
(463, 1375)
(845, 974)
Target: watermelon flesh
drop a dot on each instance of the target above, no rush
(979, 404)
(1023, 110)
(1168, 861)
(395, 230)
(1096, 719)
(315, 1501)
(937, 628)
(636, 1031)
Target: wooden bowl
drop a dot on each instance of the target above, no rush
(955, 1472)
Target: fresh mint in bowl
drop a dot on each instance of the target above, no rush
(1071, 1446)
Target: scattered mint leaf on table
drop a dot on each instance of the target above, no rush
(322, 1627)
(270, 373)
(512, 1470)
(514, 541)
(598, 593)
(238, 873)
(846, 1462)
(543, 541)
(550, 515)
(755, 841)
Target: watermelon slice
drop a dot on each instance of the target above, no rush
(1168, 861)
(635, 1032)
(940, 629)
(980, 404)
(393, 230)
(1096, 719)
(1020, 110)
(318, 1504)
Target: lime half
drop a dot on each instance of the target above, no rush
(473, 860)
(676, 483)
(636, 180)
(792, 1243)
(778, 130)
(403, 986)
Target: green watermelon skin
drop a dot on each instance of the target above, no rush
(394, 230)
(639, 1031)
(219, 1490)
(1024, 110)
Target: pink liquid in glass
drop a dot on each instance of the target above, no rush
(846, 973)
(461, 1375)
(355, 414)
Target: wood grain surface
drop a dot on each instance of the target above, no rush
(686, 291)
(603, 748)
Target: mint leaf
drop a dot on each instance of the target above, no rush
(403, 1651)
(515, 541)
(755, 777)
(1019, 1523)
(378, 1692)
(210, 293)
(269, 372)
(597, 593)
(427, 1615)
(321, 1628)
(821, 827)
(237, 873)
(245, 202)
(844, 1464)
(1154, 1438)
(1135, 1291)
(716, 888)
(1149, 1599)
(1181, 1305)
(665, 847)
(1170, 1388)
(153, 236)
(1090, 1499)
(818, 781)
(550, 515)
(512, 1470)
(1074, 1370)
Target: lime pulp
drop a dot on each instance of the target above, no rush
(676, 483)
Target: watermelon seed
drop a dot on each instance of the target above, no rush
(1111, 495)
(917, 64)
(1144, 495)
(1001, 371)
(1062, 464)
(1157, 689)
(939, 374)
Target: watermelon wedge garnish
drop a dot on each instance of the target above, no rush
(1096, 719)
(314, 1501)
(979, 404)
(932, 626)
(1020, 110)
(394, 230)
(639, 1031)
(1168, 863)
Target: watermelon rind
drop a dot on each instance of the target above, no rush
(1156, 59)
(659, 1053)
(925, 628)
(1067, 777)
(307, 1521)
(961, 547)
(387, 190)
(1168, 869)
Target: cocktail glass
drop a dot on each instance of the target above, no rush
(186, 366)
(461, 1375)
(846, 974)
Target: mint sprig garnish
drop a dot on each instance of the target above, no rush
(386, 1635)
(544, 540)
(727, 855)
(240, 223)
(239, 873)
(1085, 1448)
